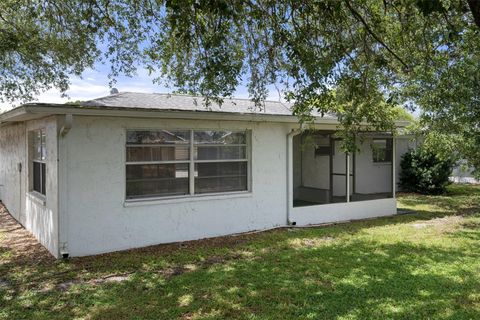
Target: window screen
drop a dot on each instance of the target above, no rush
(382, 150)
(172, 163)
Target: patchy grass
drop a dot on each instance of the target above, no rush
(414, 266)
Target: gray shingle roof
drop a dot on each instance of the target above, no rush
(178, 102)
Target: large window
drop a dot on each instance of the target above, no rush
(162, 163)
(39, 155)
(382, 150)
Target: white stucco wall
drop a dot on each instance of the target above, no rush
(316, 170)
(371, 177)
(37, 214)
(86, 184)
(41, 215)
(12, 181)
(99, 219)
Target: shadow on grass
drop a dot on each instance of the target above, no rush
(458, 199)
(352, 278)
(361, 280)
(358, 279)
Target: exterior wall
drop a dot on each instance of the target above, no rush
(371, 177)
(96, 218)
(316, 170)
(12, 181)
(41, 213)
(100, 220)
(36, 213)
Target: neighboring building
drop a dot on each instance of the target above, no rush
(133, 169)
(462, 173)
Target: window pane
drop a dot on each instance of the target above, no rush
(157, 153)
(157, 180)
(158, 137)
(220, 152)
(36, 145)
(39, 177)
(44, 177)
(220, 177)
(43, 143)
(220, 137)
(382, 150)
(39, 145)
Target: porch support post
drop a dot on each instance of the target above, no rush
(347, 157)
(394, 157)
(289, 170)
(191, 169)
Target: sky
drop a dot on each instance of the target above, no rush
(94, 83)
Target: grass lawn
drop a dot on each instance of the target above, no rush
(414, 266)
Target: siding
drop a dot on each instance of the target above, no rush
(39, 216)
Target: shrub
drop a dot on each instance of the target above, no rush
(425, 172)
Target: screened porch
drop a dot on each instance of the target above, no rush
(324, 174)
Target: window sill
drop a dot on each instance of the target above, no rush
(37, 197)
(186, 199)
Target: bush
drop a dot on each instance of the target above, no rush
(424, 172)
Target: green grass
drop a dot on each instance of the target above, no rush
(417, 266)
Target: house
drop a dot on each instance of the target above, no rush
(134, 169)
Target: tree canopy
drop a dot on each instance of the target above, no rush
(355, 58)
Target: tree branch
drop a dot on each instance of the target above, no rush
(359, 17)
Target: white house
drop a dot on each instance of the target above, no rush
(133, 169)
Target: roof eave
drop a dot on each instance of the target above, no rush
(32, 111)
(44, 110)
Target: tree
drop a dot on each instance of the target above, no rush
(355, 58)
(424, 172)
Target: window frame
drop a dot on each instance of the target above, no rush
(42, 161)
(191, 161)
(388, 141)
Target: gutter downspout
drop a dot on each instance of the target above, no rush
(394, 165)
(62, 182)
(67, 125)
(290, 136)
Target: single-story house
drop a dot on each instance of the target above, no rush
(135, 169)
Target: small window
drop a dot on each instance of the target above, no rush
(39, 156)
(382, 150)
(164, 163)
(322, 145)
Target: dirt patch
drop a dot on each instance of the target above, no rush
(21, 245)
(444, 225)
(116, 278)
(302, 243)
